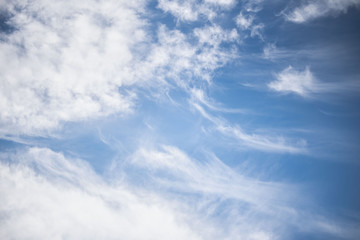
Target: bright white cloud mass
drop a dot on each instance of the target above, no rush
(175, 119)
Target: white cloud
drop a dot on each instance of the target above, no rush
(270, 51)
(199, 95)
(175, 60)
(45, 195)
(223, 3)
(192, 10)
(242, 207)
(243, 21)
(273, 53)
(300, 82)
(246, 22)
(263, 142)
(209, 175)
(183, 10)
(306, 85)
(214, 35)
(66, 64)
(256, 31)
(252, 5)
(269, 143)
(319, 8)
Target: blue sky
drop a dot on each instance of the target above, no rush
(182, 119)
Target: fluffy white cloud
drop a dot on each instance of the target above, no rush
(319, 8)
(65, 61)
(73, 61)
(183, 10)
(174, 59)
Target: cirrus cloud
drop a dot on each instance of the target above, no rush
(47, 195)
(319, 8)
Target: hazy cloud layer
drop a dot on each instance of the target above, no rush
(51, 196)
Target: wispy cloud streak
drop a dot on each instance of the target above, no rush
(51, 196)
(319, 8)
(253, 141)
(305, 84)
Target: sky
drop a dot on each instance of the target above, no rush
(179, 119)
